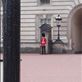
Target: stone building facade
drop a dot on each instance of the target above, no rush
(35, 13)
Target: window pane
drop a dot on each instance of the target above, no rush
(45, 1)
(48, 21)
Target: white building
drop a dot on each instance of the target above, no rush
(34, 13)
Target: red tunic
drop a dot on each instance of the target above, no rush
(43, 41)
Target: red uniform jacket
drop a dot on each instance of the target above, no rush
(43, 41)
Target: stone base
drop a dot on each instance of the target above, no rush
(55, 50)
(30, 50)
(58, 49)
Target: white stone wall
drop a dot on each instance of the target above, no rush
(28, 20)
(30, 12)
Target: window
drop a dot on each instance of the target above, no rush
(45, 19)
(45, 1)
(40, 20)
(48, 21)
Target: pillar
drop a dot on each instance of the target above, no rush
(11, 40)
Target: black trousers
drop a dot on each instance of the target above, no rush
(43, 50)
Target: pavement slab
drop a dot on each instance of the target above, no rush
(51, 68)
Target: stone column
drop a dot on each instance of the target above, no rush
(0, 24)
(11, 40)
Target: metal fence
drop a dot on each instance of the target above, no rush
(1, 56)
(1, 67)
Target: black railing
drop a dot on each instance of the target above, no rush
(1, 69)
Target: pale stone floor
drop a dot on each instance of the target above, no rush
(51, 68)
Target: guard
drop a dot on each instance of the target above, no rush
(43, 44)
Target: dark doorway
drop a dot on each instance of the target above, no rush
(77, 31)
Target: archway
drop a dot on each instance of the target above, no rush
(75, 29)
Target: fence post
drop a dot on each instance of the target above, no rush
(11, 40)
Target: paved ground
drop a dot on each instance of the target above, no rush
(51, 68)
